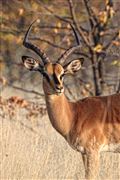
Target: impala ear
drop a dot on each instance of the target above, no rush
(73, 66)
(31, 63)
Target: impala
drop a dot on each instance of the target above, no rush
(90, 125)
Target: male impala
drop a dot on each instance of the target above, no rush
(91, 125)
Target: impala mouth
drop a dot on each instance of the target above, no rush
(59, 91)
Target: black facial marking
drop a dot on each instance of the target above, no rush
(55, 79)
(46, 76)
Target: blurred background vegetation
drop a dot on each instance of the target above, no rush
(53, 34)
(30, 147)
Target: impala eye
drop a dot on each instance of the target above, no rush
(61, 77)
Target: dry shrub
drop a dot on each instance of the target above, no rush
(9, 107)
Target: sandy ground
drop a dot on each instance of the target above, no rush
(32, 150)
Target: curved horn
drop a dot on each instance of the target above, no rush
(75, 34)
(64, 56)
(33, 47)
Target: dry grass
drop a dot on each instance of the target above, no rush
(32, 149)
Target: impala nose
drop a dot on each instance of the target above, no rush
(59, 89)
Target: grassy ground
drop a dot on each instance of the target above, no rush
(32, 149)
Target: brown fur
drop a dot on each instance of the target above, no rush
(90, 126)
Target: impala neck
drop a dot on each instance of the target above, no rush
(60, 112)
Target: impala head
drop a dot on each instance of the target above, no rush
(53, 73)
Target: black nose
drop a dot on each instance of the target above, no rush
(59, 88)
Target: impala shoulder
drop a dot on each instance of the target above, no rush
(92, 101)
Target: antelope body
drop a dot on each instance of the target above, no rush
(91, 125)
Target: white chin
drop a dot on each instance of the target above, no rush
(59, 92)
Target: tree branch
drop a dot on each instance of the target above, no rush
(80, 31)
(52, 12)
(25, 90)
(108, 46)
